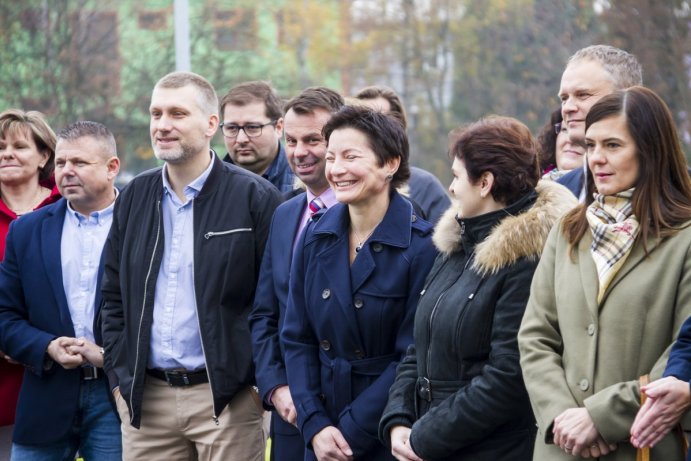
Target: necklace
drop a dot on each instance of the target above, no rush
(36, 200)
(361, 242)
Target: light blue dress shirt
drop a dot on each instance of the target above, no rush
(81, 245)
(175, 338)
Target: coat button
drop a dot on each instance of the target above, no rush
(413, 218)
(584, 384)
(326, 293)
(377, 247)
(325, 344)
(359, 354)
(591, 329)
(358, 303)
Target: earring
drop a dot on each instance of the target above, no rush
(389, 177)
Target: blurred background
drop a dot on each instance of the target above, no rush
(451, 61)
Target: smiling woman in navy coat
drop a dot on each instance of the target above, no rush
(355, 281)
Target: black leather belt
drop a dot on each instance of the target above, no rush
(89, 372)
(179, 378)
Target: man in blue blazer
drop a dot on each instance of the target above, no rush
(49, 306)
(305, 115)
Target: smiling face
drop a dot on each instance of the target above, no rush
(583, 83)
(353, 169)
(84, 172)
(569, 155)
(306, 147)
(20, 159)
(257, 153)
(612, 156)
(179, 128)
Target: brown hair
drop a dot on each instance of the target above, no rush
(662, 198)
(315, 98)
(397, 111)
(386, 136)
(255, 91)
(31, 123)
(207, 99)
(547, 142)
(506, 148)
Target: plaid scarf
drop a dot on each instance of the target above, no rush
(614, 229)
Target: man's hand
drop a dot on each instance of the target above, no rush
(668, 400)
(59, 350)
(400, 444)
(91, 352)
(330, 445)
(283, 402)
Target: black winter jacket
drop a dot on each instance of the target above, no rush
(460, 386)
(232, 215)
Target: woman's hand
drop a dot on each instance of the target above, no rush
(400, 444)
(575, 433)
(668, 400)
(330, 445)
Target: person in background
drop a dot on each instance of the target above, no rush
(591, 73)
(305, 116)
(181, 267)
(50, 302)
(27, 151)
(558, 154)
(252, 128)
(459, 393)
(613, 286)
(425, 189)
(356, 277)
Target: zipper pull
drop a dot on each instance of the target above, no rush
(215, 418)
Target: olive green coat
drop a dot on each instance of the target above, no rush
(576, 353)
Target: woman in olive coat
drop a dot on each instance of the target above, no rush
(613, 286)
(459, 394)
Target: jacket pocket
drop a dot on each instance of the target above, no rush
(212, 234)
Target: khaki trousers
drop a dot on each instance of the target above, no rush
(177, 424)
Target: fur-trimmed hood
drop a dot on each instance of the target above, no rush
(515, 237)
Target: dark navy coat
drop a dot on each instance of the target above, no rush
(33, 312)
(267, 318)
(348, 326)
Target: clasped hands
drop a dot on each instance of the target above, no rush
(74, 352)
(576, 434)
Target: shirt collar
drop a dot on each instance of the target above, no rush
(192, 189)
(96, 217)
(328, 197)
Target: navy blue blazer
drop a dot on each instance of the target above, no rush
(573, 180)
(33, 312)
(679, 362)
(348, 326)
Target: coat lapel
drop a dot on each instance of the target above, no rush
(588, 272)
(51, 238)
(636, 256)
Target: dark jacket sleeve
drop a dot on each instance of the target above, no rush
(264, 324)
(400, 409)
(679, 363)
(492, 398)
(18, 337)
(359, 422)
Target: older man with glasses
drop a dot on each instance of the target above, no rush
(252, 129)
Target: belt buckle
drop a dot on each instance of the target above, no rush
(89, 373)
(171, 377)
(425, 389)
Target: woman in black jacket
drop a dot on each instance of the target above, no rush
(459, 394)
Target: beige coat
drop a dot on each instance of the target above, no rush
(576, 353)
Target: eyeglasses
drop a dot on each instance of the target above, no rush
(558, 127)
(252, 130)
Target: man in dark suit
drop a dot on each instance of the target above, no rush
(49, 306)
(305, 115)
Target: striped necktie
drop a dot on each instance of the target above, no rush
(315, 205)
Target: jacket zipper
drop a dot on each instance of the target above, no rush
(141, 318)
(214, 416)
(208, 235)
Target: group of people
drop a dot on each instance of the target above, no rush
(328, 281)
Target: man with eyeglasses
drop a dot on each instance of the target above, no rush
(252, 128)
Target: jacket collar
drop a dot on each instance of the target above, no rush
(504, 241)
(394, 230)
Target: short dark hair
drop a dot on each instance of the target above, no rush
(255, 91)
(386, 136)
(33, 123)
(662, 196)
(547, 142)
(373, 92)
(315, 98)
(85, 128)
(506, 148)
